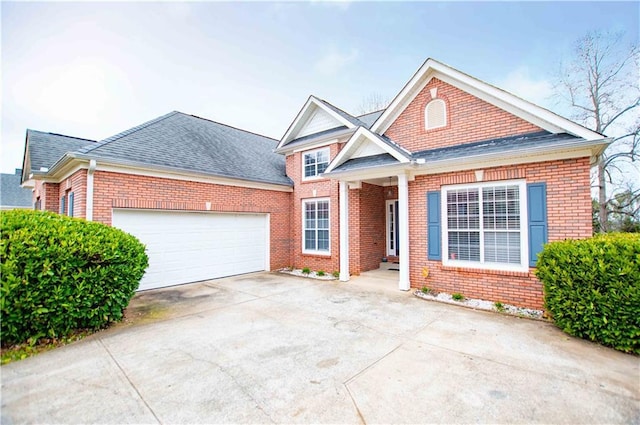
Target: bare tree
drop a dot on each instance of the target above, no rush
(373, 102)
(600, 84)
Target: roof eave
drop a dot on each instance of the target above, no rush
(176, 170)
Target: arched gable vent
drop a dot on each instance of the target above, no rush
(435, 114)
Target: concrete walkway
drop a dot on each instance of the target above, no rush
(270, 348)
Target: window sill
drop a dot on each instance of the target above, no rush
(316, 254)
(313, 179)
(480, 270)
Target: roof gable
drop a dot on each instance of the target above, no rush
(365, 144)
(521, 108)
(317, 116)
(43, 150)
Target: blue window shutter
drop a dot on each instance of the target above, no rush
(434, 250)
(62, 205)
(537, 210)
(70, 204)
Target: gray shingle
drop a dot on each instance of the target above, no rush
(487, 147)
(190, 143)
(45, 149)
(367, 162)
(370, 118)
(11, 194)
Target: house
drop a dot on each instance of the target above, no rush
(458, 181)
(12, 195)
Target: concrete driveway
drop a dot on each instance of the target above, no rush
(270, 348)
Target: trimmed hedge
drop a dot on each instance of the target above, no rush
(60, 274)
(592, 288)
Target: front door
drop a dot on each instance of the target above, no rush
(393, 246)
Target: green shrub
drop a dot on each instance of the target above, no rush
(457, 296)
(592, 288)
(336, 274)
(61, 274)
(306, 270)
(321, 273)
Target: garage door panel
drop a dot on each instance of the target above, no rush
(187, 247)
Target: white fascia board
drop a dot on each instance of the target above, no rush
(525, 156)
(173, 174)
(502, 99)
(499, 159)
(315, 142)
(354, 143)
(304, 115)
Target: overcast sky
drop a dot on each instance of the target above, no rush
(94, 69)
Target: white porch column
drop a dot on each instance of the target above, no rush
(344, 231)
(403, 231)
(89, 202)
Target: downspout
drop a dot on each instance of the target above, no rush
(90, 171)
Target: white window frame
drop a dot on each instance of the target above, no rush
(524, 233)
(426, 115)
(391, 206)
(315, 151)
(304, 226)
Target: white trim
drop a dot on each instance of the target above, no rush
(319, 175)
(524, 231)
(344, 231)
(426, 115)
(306, 113)
(267, 255)
(316, 145)
(76, 164)
(362, 135)
(89, 201)
(498, 97)
(403, 231)
(388, 219)
(315, 200)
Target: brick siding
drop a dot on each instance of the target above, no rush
(569, 216)
(469, 119)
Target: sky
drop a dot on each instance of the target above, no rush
(92, 70)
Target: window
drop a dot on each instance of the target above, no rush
(315, 223)
(314, 163)
(435, 114)
(484, 225)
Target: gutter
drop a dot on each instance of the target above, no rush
(313, 140)
(421, 163)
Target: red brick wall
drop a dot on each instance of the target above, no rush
(371, 226)
(569, 216)
(76, 183)
(115, 190)
(469, 119)
(48, 193)
(324, 188)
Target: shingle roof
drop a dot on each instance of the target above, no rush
(47, 148)
(367, 162)
(353, 120)
(487, 147)
(11, 194)
(186, 142)
(484, 147)
(370, 118)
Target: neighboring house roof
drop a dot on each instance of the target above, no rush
(185, 142)
(45, 149)
(12, 195)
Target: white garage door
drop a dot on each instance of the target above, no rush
(187, 247)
